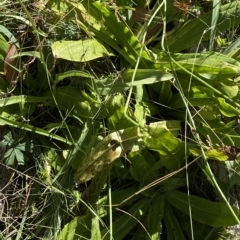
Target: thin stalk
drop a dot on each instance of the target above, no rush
(110, 206)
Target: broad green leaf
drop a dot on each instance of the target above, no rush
(4, 45)
(78, 228)
(8, 34)
(75, 102)
(155, 216)
(4, 85)
(200, 63)
(197, 96)
(226, 109)
(229, 88)
(171, 222)
(141, 164)
(80, 51)
(211, 213)
(146, 76)
(219, 133)
(118, 83)
(161, 138)
(172, 183)
(20, 157)
(118, 196)
(10, 157)
(165, 92)
(140, 113)
(189, 34)
(99, 21)
(53, 158)
(95, 230)
(126, 222)
(107, 151)
(172, 152)
(233, 168)
(115, 106)
(96, 186)
(209, 112)
(156, 128)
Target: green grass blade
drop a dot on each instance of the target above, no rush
(215, 15)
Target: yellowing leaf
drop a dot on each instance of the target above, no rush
(108, 150)
(217, 154)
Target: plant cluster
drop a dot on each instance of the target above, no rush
(120, 119)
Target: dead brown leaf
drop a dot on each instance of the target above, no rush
(10, 64)
(232, 152)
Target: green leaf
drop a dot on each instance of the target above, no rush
(200, 63)
(73, 73)
(141, 164)
(118, 196)
(155, 216)
(16, 148)
(116, 106)
(171, 222)
(75, 102)
(8, 34)
(20, 157)
(8, 137)
(140, 113)
(143, 77)
(211, 213)
(126, 222)
(229, 88)
(161, 138)
(155, 129)
(80, 51)
(95, 230)
(4, 45)
(146, 76)
(107, 151)
(10, 157)
(189, 34)
(227, 109)
(197, 96)
(30, 128)
(78, 228)
(53, 158)
(101, 22)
